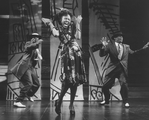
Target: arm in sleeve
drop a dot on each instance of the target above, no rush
(78, 32)
(32, 46)
(49, 22)
(130, 50)
(103, 51)
(78, 28)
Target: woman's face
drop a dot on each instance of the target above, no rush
(66, 20)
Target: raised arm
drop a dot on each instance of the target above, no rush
(104, 51)
(49, 23)
(78, 29)
(130, 50)
(32, 45)
(144, 47)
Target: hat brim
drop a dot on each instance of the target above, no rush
(116, 35)
(38, 36)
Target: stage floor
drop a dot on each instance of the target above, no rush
(45, 110)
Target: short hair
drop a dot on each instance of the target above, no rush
(63, 12)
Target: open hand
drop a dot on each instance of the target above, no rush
(146, 45)
(104, 41)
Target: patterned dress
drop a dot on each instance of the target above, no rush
(72, 66)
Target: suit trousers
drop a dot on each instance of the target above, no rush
(30, 84)
(119, 73)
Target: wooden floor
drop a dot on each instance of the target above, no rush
(45, 110)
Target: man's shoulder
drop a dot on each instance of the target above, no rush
(126, 45)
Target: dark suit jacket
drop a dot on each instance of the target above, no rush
(113, 54)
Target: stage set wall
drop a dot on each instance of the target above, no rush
(25, 18)
(103, 22)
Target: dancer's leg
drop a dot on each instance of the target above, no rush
(73, 89)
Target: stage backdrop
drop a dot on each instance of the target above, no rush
(25, 18)
(103, 21)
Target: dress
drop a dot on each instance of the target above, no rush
(72, 66)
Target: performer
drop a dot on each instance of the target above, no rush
(72, 67)
(117, 68)
(26, 70)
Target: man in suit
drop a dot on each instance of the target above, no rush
(25, 70)
(117, 68)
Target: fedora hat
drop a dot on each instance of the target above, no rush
(35, 35)
(116, 35)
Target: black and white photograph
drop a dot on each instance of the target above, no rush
(74, 60)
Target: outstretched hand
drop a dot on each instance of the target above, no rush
(146, 45)
(104, 41)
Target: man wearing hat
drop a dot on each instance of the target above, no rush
(117, 68)
(25, 70)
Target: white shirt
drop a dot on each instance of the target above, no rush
(119, 47)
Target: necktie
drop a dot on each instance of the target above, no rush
(120, 51)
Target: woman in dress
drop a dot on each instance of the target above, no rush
(72, 66)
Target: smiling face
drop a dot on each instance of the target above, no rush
(66, 20)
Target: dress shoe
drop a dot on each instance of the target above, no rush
(104, 103)
(72, 111)
(31, 99)
(57, 108)
(127, 105)
(19, 104)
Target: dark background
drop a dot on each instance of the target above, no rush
(134, 21)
